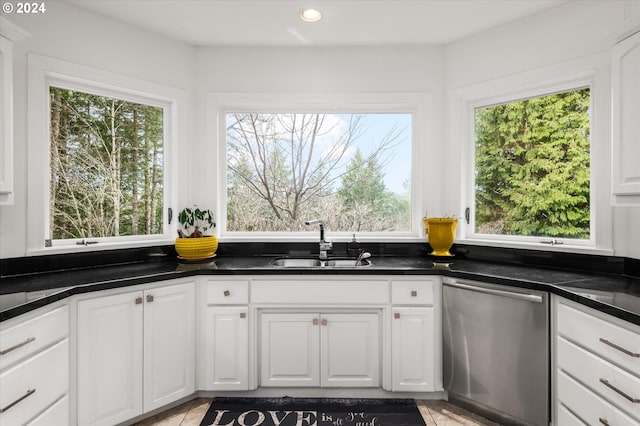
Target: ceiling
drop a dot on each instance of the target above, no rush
(344, 22)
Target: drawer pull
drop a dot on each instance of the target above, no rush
(243, 315)
(621, 349)
(324, 322)
(138, 300)
(414, 293)
(19, 345)
(315, 321)
(26, 395)
(149, 298)
(619, 392)
(605, 422)
(226, 293)
(396, 315)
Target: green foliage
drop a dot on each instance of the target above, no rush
(200, 220)
(532, 167)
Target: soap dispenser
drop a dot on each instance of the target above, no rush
(353, 248)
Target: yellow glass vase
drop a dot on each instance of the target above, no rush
(441, 232)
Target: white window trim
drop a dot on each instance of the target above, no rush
(592, 72)
(44, 72)
(419, 104)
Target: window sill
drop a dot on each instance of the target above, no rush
(99, 247)
(561, 248)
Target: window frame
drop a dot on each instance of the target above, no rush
(44, 72)
(417, 104)
(592, 73)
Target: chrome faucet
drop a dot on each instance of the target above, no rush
(325, 246)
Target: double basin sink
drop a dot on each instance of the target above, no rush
(308, 262)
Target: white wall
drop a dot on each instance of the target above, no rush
(571, 32)
(71, 34)
(329, 70)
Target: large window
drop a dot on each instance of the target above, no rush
(106, 166)
(532, 168)
(353, 170)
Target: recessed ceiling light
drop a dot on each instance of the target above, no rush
(310, 15)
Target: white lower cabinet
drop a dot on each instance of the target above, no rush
(227, 348)
(413, 349)
(135, 352)
(224, 334)
(34, 368)
(416, 336)
(320, 349)
(597, 367)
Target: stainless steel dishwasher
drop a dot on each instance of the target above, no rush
(496, 351)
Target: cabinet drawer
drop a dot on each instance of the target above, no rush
(57, 414)
(412, 292)
(32, 335)
(592, 370)
(619, 345)
(316, 292)
(228, 292)
(32, 386)
(566, 417)
(587, 405)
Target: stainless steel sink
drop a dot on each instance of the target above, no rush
(305, 262)
(346, 263)
(294, 262)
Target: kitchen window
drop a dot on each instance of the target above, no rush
(101, 169)
(532, 167)
(347, 159)
(106, 161)
(353, 170)
(535, 158)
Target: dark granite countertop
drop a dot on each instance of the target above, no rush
(614, 294)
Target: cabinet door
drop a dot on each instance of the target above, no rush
(626, 126)
(227, 348)
(6, 121)
(350, 350)
(290, 350)
(110, 359)
(412, 352)
(169, 344)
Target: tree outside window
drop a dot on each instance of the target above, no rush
(532, 167)
(106, 166)
(351, 170)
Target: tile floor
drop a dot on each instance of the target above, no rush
(435, 413)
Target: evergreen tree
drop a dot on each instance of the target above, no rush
(532, 167)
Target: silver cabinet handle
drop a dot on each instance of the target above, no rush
(620, 348)
(521, 296)
(605, 422)
(619, 392)
(324, 322)
(149, 298)
(396, 315)
(243, 315)
(414, 293)
(138, 300)
(226, 293)
(19, 345)
(26, 395)
(315, 321)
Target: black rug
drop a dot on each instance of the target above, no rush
(312, 412)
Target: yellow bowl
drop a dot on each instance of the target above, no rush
(197, 248)
(441, 233)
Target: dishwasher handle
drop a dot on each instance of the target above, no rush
(514, 295)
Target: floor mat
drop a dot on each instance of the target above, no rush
(312, 412)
